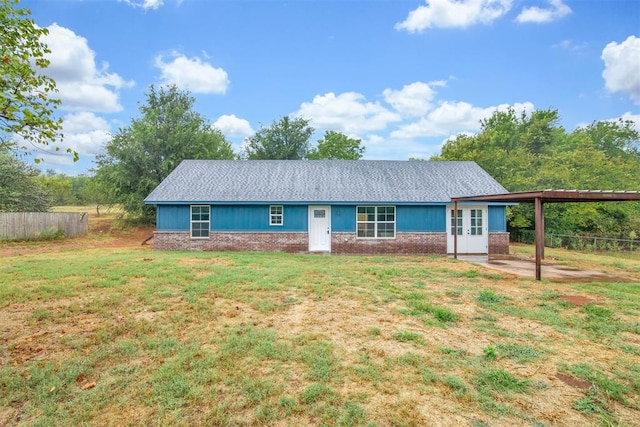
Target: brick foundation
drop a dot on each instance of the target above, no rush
(341, 243)
(259, 242)
(499, 243)
(403, 244)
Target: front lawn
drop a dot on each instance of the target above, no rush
(128, 336)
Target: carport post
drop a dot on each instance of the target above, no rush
(455, 229)
(539, 235)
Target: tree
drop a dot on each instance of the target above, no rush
(93, 192)
(336, 145)
(26, 102)
(285, 139)
(140, 156)
(616, 139)
(59, 188)
(19, 189)
(531, 152)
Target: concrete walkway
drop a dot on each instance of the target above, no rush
(526, 268)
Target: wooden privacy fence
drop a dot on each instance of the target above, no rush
(42, 225)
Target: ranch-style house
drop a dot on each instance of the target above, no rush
(330, 206)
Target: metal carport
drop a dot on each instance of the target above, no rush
(539, 198)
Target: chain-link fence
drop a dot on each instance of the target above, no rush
(580, 243)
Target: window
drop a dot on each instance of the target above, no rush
(459, 222)
(377, 222)
(200, 222)
(476, 222)
(275, 215)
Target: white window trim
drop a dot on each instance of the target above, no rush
(191, 222)
(459, 227)
(475, 228)
(375, 222)
(272, 215)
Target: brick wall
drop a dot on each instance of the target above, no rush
(404, 243)
(341, 243)
(499, 243)
(262, 242)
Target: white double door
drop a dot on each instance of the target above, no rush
(472, 229)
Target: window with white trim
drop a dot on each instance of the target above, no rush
(276, 215)
(376, 222)
(200, 221)
(476, 222)
(453, 220)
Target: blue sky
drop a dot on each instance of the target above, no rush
(403, 76)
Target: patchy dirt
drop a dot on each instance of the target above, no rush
(576, 300)
(349, 325)
(102, 236)
(573, 381)
(361, 329)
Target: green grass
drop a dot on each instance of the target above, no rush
(406, 336)
(455, 383)
(487, 297)
(499, 381)
(418, 306)
(104, 337)
(520, 353)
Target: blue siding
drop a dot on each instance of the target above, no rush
(256, 218)
(408, 218)
(421, 219)
(343, 219)
(172, 218)
(497, 218)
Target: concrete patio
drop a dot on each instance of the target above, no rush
(527, 268)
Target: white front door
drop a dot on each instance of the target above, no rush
(319, 228)
(472, 229)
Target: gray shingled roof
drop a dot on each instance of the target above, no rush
(319, 181)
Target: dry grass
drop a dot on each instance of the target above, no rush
(104, 331)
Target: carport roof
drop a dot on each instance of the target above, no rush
(539, 198)
(557, 196)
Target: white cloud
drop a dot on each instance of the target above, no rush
(81, 85)
(570, 45)
(448, 118)
(192, 74)
(635, 118)
(82, 132)
(454, 14)
(85, 132)
(83, 96)
(348, 112)
(412, 100)
(622, 67)
(144, 4)
(401, 149)
(537, 15)
(373, 139)
(453, 117)
(230, 125)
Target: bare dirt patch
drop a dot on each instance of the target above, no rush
(97, 238)
(576, 300)
(573, 381)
